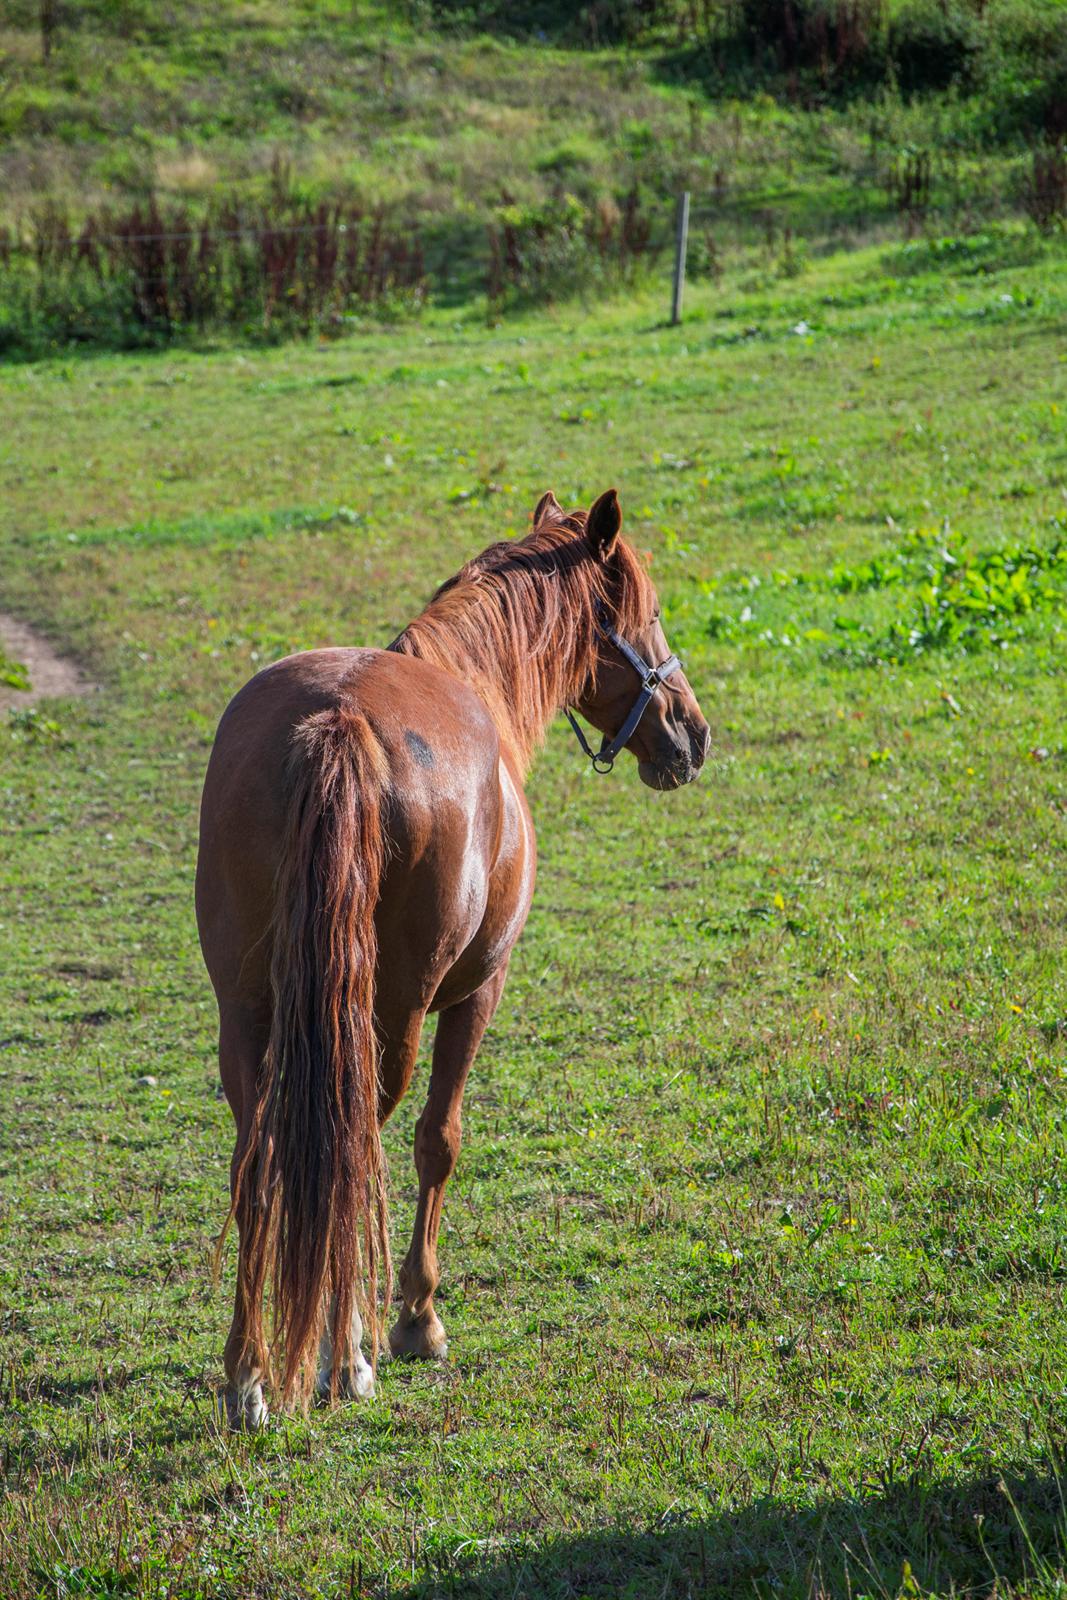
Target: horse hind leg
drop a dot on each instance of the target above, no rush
(418, 1332)
(245, 1355)
(243, 1404)
(242, 1041)
(355, 1380)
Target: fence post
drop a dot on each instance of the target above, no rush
(48, 27)
(681, 240)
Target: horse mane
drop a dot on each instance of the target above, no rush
(518, 623)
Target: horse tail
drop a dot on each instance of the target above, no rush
(311, 1187)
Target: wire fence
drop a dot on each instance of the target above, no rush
(98, 236)
(280, 264)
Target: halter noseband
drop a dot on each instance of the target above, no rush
(652, 679)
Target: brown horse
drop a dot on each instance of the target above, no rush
(367, 856)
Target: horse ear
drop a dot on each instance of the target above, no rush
(547, 503)
(603, 523)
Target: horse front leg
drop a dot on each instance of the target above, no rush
(418, 1332)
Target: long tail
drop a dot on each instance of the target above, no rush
(311, 1188)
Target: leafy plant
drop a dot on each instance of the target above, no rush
(13, 674)
(970, 605)
(28, 725)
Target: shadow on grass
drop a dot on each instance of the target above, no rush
(985, 1536)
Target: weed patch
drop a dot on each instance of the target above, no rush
(149, 274)
(949, 599)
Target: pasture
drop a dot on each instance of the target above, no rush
(754, 1260)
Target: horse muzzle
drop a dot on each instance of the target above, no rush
(680, 766)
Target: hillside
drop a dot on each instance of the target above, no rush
(568, 158)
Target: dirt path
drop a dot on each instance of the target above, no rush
(51, 676)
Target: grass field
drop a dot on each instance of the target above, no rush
(754, 1261)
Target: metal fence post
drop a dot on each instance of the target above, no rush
(681, 240)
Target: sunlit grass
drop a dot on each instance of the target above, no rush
(754, 1259)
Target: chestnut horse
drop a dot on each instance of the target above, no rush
(367, 856)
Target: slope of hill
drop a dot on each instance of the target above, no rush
(183, 102)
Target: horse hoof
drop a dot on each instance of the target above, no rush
(419, 1338)
(353, 1383)
(244, 1410)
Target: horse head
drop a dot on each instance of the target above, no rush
(636, 694)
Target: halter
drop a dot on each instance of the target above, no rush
(652, 679)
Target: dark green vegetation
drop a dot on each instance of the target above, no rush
(755, 1256)
(501, 168)
(1010, 55)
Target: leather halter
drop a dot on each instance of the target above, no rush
(652, 679)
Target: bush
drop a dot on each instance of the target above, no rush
(545, 252)
(1010, 55)
(932, 44)
(574, 155)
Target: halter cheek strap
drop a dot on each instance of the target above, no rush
(652, 680)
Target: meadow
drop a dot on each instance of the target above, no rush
(754, 1261)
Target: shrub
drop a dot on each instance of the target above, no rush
(1023, 68)
(1011, 54)
(574, 155)
(544, 252)
(932, 44)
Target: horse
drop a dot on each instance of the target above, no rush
(366, 857)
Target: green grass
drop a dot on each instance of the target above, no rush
(754, 1261)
